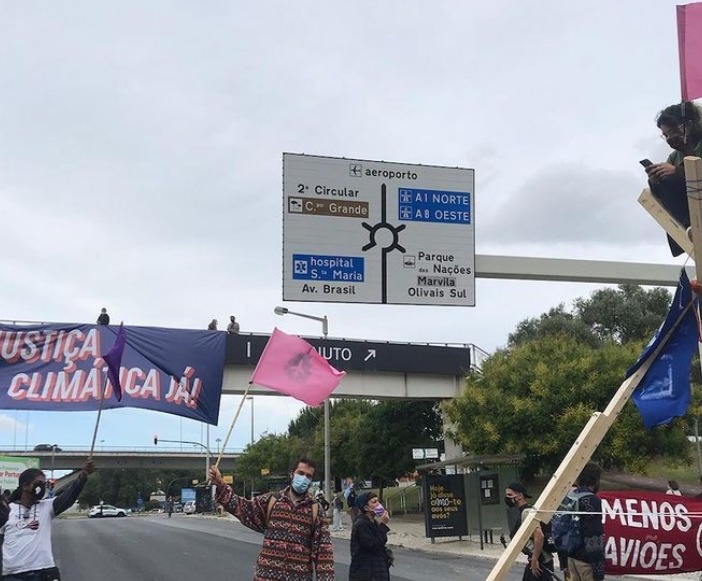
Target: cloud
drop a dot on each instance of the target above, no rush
(568, 203)
(11, 424)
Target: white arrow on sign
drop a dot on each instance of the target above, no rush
(371, 354)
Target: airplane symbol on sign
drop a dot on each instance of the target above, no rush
(355, 170)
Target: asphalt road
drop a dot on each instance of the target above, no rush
(156, 548)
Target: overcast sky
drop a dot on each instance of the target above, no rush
(141, 150)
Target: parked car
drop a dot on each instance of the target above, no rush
(46, 448)
(104, 510)
(189, 507)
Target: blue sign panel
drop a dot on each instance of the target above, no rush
(330, 268)
(417, 205)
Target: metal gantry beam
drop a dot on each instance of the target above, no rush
(573, 270)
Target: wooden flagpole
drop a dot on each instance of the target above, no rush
(97, 422)
(236, 417)
(599, 424)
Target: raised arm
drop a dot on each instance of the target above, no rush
(252, 513)
(67, 498)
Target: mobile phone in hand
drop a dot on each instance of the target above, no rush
(646, 162)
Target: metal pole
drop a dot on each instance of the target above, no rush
(252, 438)
(699, 455)
(327, 423)
(252, 420)
(207, 455)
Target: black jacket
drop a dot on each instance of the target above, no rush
(368, 557)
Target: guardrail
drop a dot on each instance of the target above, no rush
(189, 450)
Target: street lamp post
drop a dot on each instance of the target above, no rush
(218, 440)
(53, 459)
(250, 397)
(205, 448)
(327, 446)
(168, 488)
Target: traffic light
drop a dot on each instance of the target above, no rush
(155, 439)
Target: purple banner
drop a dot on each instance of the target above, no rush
(60, 368)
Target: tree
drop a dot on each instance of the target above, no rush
(307, 422)
(392, 430)
(275, 453)
(627, 313)
(535, 398)
(557, 321)
(122, 487)
(349, 421)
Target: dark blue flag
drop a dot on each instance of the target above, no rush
(664, 392)
(113, 358)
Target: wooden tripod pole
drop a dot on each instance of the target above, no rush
(595, 430)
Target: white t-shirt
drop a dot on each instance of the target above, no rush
(27, 544)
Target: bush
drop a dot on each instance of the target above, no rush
(151, 504)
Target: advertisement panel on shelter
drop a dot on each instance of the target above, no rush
(445, 511)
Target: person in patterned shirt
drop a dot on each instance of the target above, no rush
(296, 541)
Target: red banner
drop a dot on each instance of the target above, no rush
(651, 533)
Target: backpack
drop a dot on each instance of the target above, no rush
(566, 529)
(351, 499)
(271, 503)
(548, 549)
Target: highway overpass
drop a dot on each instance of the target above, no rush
(152, 458)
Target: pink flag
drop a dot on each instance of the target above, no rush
(293, 367)
(690, 50)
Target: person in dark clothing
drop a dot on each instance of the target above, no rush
(213, 325)
(323, 502)
(588, 562)
(26, 525)
(540, 560)
(369, 537)
(233, 327)
(681, 127)
(103, 318)
(350, 495)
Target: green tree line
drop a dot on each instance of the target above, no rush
(534, 396)
(369, 440)
(531, 397)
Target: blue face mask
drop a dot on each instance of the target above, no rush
(300, 483)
